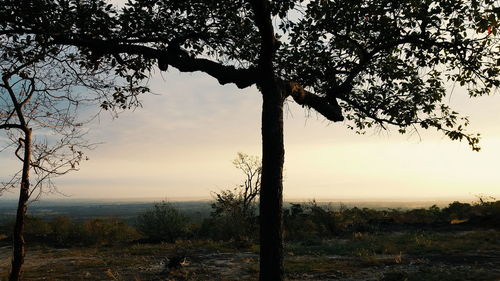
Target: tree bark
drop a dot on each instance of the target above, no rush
(271, 192)
(18, 236)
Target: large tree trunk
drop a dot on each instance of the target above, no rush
(271, 192)
(18, 237)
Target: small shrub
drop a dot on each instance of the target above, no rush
(64, 231)
(36, 226)
(162, 223)
(108, 231)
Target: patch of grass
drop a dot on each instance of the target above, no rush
(208, 246)
(147, 249)
(310, 264)
(189, 246)
(417, 243)
(440, 273)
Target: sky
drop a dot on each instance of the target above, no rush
(180, 145)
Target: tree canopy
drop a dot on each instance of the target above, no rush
(370, 62)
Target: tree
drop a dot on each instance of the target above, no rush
(38, 113)
(247, 192)
(233, 210)
(371, 63)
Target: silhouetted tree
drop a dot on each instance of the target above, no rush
(234, 209)
(38, 114)
(246, 193)
(372, 63)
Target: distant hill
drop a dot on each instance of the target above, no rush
(81, 210)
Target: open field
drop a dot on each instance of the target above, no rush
(470, 255)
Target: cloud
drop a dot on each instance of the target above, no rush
(182, 141)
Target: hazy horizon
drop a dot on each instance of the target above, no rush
(470, 198)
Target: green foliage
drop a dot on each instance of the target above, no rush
(229, 219)
(62, 231)
(108, 232)
(387, 62)
(409, 243)
(311, 222)
(162, 223)
(37, 225)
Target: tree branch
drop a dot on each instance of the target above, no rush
(175, 57)
(30, 93)
(327, 107)
(17, 107)
(11, 126)
(19, 148)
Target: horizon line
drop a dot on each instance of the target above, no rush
(285, 199)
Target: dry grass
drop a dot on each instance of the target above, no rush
(411, 256)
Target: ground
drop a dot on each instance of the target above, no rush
(471, 255)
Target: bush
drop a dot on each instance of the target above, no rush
(162, 223)
(310, 222)
(231, 218)
(457, 210)
(64, 231)
(36, 226)
(109, 231)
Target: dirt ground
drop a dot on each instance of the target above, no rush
(151, 263)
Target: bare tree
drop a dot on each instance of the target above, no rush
(245, 194)
(237, 206)
(39, 105)
(251, 166)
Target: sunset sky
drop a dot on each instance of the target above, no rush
(181, 143)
